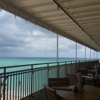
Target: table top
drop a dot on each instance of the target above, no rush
(90, 93)
(91, 70)
(91, 77)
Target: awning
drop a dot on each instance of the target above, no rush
(78, 20)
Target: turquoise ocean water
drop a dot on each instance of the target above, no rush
(38, 82)
(13, 61)
(10, 61)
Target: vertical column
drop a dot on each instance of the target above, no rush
(57, 59)
(85, 52)
(94, 54)
(76, 51)
(76, 58)
(90, 54)
(57, 47)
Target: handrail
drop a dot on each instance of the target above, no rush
(32, 64)
(41, 63)
(24, 82)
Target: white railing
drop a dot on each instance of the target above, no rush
(20, 81)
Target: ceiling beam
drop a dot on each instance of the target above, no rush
(83, 5)
(61, 21)
(91, 21)
(86, 15)
(55, 20)
(62, 1)
(45, 11)
(88, 18)
(91, 24)
(86, 11)
(13, 1)
(93, 27)
(52, 16)
(38, 5)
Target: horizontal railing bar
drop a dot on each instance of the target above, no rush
(42, 63)
(15, 71)
(35, 64)
(27, 71)
(40, 68)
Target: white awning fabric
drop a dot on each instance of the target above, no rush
(78, 20)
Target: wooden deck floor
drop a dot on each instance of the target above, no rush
(39, 96)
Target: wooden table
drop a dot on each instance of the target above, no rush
(90, 93)
(93, 78)
(91, 71)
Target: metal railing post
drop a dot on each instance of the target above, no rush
(71, 66)
(79, 65)
(47, 72)
(4, 84)
(75, 66)
(66, 67)
(57, 69)
(31, 79)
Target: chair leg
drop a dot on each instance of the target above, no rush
(98, 83)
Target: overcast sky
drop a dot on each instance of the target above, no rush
(20, 38)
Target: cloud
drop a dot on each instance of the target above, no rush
(17, 35)
(22, 38)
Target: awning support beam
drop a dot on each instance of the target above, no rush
(74, 20)
(76, 51)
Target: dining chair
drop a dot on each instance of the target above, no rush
(51, 93)
(85, 81)
(72, 78)
(89, 68)
(98, 83)
(83, 72)
(58, 82)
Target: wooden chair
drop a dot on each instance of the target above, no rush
(85, 81)
(98, 83)
(83, 72)
(89, 68)
(57, 82)
(51, 93)
(72, 78)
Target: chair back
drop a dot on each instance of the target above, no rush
(57, 82)
(83, 72)
(85, 81)
(89, 68)
(72, 78)
(50, 93)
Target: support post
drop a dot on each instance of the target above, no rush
(97, 55)
(90, 54)
(76, 51)
(57, 47)
(57, 59)
(76, 57)
(85, 53)
(94, 54)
